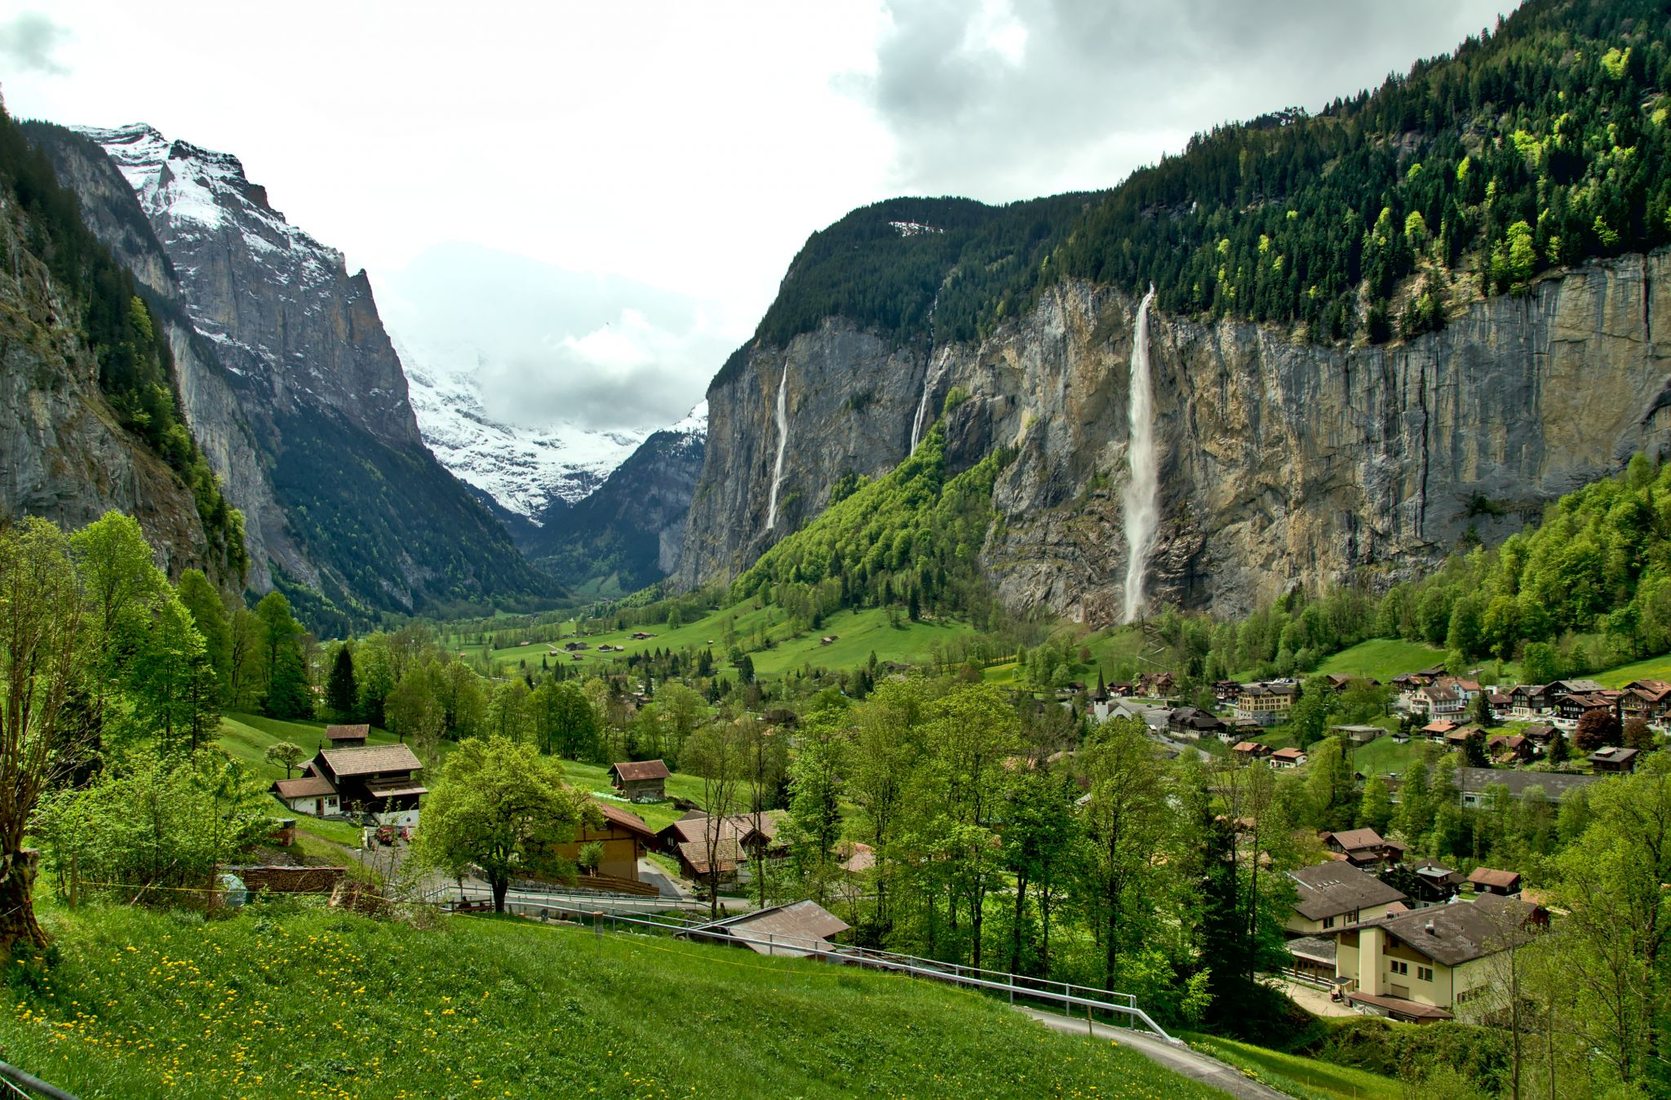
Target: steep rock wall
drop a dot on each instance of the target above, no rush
(1283, 463)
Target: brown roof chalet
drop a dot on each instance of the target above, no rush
(1500, 880)
(371, 760)
(308, 786)
(630, 822)
(1355, 840)
(359, 732)
(635, 771)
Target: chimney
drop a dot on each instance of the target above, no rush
(1430, 929)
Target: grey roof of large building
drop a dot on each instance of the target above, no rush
(1330, 889)
(1461, 932)
(1554, 784)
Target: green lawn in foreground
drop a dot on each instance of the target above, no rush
(1382, 659)
(276, 1002)
(1305, 1078)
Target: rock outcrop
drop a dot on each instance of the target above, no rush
(1283, 463)
(63, 452)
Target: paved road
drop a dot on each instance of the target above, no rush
(1177, 1058)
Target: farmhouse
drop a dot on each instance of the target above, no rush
(1364, 847)
(640, 780)
(347, 737)
(1334, 894)
(1487, 881)
(624, 837)
(1420, 966)
(739, 840)
(1249, 751)
(1530, 701)
(1192, 723)
(1288, 758)
(311, 794)
(1649, 700)
(377, 779)
(1611, 758)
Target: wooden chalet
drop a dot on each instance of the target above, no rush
(625, 838)
(740, 839)
(1649, 700)
(375, 779)
(1193, 723)
(1513, 748)
(1612, 760)
(640, 780)
(1249, 751)
(1485, 880)
(1432, 883)
(1288, 758)
(1439, 729)
(1573, 707)
(1364, 848)
(347, 737)
(1530, 701)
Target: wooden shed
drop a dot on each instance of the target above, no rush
(640, 780)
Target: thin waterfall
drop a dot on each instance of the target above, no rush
(1142, 496)
(782, 446)
(922, 411)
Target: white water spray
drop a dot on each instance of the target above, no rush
(922, 411)
(1142, 497)
(782, 446)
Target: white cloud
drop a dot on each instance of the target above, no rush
(28, 41)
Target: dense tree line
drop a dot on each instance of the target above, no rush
(136, 367)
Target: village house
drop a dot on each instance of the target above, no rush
(1507, 748)
(1359, 735)
(1539, 734)
(377, 779)
(624, 838)
(1649, 700)
(1485, 880)
(1432, 883)
(1571, 708)
(1267, 703)
(1500, 706)
(1610, 759)
(347, 737)
(1420, 966)
(1436, 700)
(640, 780)
(1439, 729)
(739, 841)
(1192, 723)
(1226, 692)
(1288, 758)
(1334, 894)
(1249, 751)
(1364, 848)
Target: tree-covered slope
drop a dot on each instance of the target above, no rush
(1542, 143)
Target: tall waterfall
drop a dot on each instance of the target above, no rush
(1142, 497)
(782, 446)
(922, 411)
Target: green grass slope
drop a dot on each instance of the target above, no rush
(316, 1003)
(1382, 659)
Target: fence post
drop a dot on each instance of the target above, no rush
(597, 924)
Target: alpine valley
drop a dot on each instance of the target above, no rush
(1378, 333)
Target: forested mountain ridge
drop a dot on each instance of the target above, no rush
(89, 416)
(290, 382)
(1430, 310)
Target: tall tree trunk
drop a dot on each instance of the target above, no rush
(17, 900)
(1015, 929)
(500, 885)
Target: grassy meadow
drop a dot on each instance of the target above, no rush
(293, 1002)
(1382, 659)
(858, 634)
(1304, 1078)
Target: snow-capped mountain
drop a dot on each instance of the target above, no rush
(523, 469)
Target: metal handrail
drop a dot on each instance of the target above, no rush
(992, 981)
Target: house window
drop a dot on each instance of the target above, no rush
(1399, 967)
(1424, 973)
(1328, 922)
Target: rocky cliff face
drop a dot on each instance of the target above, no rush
(63, 454)
(290, 383)
(1283, 463)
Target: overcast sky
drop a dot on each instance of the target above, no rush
(591, 204)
